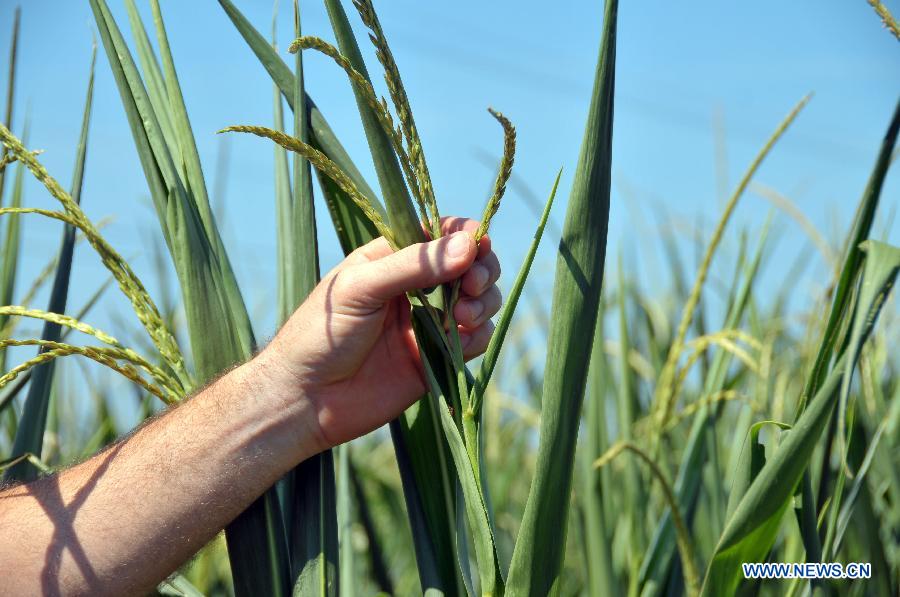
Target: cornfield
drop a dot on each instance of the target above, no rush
(644, 449)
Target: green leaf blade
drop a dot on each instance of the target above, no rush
(32, 425)
(537, 557)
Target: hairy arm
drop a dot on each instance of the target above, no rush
(344, 364)
(125, 519)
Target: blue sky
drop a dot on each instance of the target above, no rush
(684, 72)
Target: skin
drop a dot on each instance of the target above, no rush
(343, 365)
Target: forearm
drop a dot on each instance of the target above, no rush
(123, 520)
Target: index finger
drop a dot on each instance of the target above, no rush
(378, 248)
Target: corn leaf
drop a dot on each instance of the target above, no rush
(284, 252)
(344, 515)
(752, 541)
(538, 554)
(475, 509)
(153, 79)
(401, 214)
(377, 563)
(219, 326)
(192, 181)
(416, 435)
(512, 300)
(178, 586)
(12, 390)
(656, 566)
(10, 89)
(306, 273)
(830, 349)
(11, 245)
(862, 225)
(11, 237)
(880, 260)
(427, 508)
(220, 337)
(8, 269)
(750, 462)
(353, 228)
(310, 508)
(847, 508)
(31, 427)
(627, 406)
(753, 526)
(430, 487)
(314, 532)
(433, 484)
(858, 507)
(596, 487)
(283, 221)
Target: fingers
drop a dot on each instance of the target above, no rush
(374, 273)
(483, 274)
(372, 250)
(472, 312)
(475, 341)
(484, 246)
(379, 247)
(451, 224)
(417, 266)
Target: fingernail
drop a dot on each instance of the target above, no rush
(459, 244)
(481, 275)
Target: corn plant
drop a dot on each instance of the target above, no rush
(402, 145)
(261, 557)
(698, 493)
(764, 485)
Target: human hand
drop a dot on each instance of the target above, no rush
(350, 349)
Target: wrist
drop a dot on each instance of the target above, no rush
(287, 411)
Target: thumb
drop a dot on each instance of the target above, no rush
(417, 266)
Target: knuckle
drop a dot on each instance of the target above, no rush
(480, 339)
(495, 304)
(358, 251)
(348, 282)
(496, 270)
